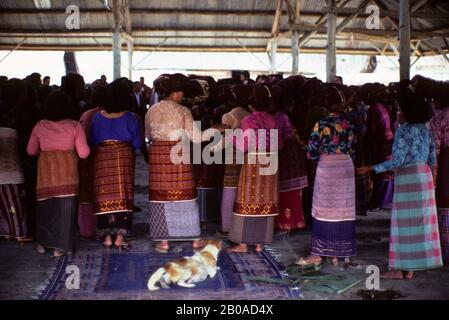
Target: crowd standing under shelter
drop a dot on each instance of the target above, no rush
(68, 152)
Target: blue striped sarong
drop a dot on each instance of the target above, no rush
(414, 236)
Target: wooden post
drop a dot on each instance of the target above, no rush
(295, 52)
(130, 47)
(404, 39)
(116, 51)
(273, 50)
(70, 62)
(117, 38)
(295, 40)
(331, 50)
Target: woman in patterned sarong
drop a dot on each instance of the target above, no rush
(58, 141)
(13, 213)
(173, 201)
(115, 133)
(239, 96)
(256, 203)
(332, 142)
(414, 235)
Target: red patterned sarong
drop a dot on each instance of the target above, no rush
(257, 195)
(169, 181)
(113, 177)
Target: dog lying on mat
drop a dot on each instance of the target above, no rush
(187, 271)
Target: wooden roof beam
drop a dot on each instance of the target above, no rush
(9, 46)
(418, 5)
(320, 23)
(347, 20)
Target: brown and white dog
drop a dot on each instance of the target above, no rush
(187, 271)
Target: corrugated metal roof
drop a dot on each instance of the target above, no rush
(215, 25)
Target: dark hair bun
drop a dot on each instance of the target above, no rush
(165, 84)
(414, 107)
(261, 98)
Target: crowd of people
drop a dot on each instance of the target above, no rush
(68, 152)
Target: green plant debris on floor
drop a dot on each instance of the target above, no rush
(313, 279)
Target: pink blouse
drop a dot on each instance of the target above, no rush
(257, 121)
(86, 119)
(62, 135)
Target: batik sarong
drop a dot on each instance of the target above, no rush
(57, 199)
(333, 208)
(12, 189)
(173, 206)
(292, 179)
(256, 204)
(113, 177)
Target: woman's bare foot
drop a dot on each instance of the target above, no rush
(259, 248)
(335, 261)
(58, 253)
(24, 240)
(162, 246)
(198, 244)
(120, 242)
(409, 275)
(242, 248)
(312, 259)
(392, 275)
(40, 249)
(107, 241)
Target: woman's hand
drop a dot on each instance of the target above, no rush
(220, 127)
(363, 171)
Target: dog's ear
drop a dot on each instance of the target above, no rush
(218, 243)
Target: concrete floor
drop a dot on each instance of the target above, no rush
(23, 272)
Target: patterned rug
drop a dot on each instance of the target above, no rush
(109, 274)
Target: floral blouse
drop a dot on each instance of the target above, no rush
(333, 135)
(413, 143)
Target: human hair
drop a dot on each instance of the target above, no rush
(165, 84)
(14, 91)
(333, 99)
(261, 98)
(245, 74)
(58, 106)
(118, 96)
(413, 106)
(99, 96)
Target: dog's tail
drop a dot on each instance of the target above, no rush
(155, 277)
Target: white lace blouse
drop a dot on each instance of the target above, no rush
(166, 117)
